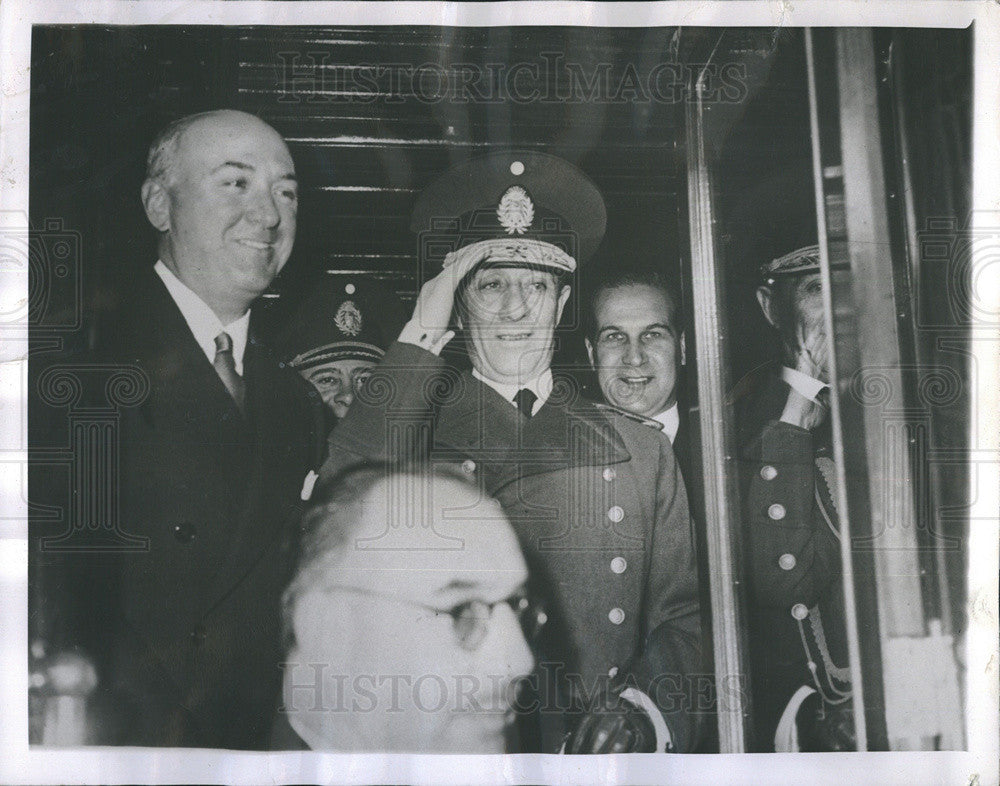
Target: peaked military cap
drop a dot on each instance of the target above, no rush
(802, 260)
(546, 209)
(349, 319)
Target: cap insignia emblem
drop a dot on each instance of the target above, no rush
(515, 210)
(348, 318)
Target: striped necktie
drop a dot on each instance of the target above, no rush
(225, 367)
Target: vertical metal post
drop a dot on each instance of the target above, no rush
(900, 608)
(850, 605)
(938, 540)
(914, 719)
(718, 441)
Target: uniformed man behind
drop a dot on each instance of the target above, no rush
(339, 334)
(595, 498)
(801, 684)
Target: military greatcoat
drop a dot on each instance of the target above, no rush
(597, 502)
(797, 632)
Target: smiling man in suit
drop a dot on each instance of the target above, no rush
(184, 632)
(595, 498)
(635, 343)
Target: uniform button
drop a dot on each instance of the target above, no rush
(468, 466)
(786, 561)
(618, 565)
(776, 511)
(615, 513)
(613, 672)
(184, 532)
(768, 472)
(198, 635)
(616, 615)
(799, 611)
(609, 474)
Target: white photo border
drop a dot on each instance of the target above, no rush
(19, 764)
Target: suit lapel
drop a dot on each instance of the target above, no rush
(188, 394)
(183, 379)
(273, 469)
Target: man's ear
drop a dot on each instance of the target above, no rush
(590, 351)
(156, 203)
(684, 354)
(563, 297)
(765, 296)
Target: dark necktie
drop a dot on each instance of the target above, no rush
(525, 400)
(225, 367)
(823, 433)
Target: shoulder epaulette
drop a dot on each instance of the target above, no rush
(630, 415)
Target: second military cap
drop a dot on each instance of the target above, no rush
(532, 199)
(350, 319)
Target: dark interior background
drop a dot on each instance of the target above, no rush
(364, 151)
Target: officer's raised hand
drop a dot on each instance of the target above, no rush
(428, 327)
(813, 356)
(811, 359)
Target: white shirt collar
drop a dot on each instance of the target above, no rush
(541, 386)
(802, 383)
(202, 321)
(671, 420)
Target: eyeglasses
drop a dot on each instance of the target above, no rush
(471, 618)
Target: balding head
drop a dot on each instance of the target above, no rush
(161, 160)
(221, 191)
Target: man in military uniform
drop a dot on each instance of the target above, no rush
(801, 682)
(596, 499)
(339, 334)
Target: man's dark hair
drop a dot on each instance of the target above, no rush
(612, 276)
(332, 517)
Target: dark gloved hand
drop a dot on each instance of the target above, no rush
(613, 725)
(824, 727)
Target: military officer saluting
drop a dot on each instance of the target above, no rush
(801, 682)
(595, 498)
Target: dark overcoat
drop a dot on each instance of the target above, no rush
(184, 630)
